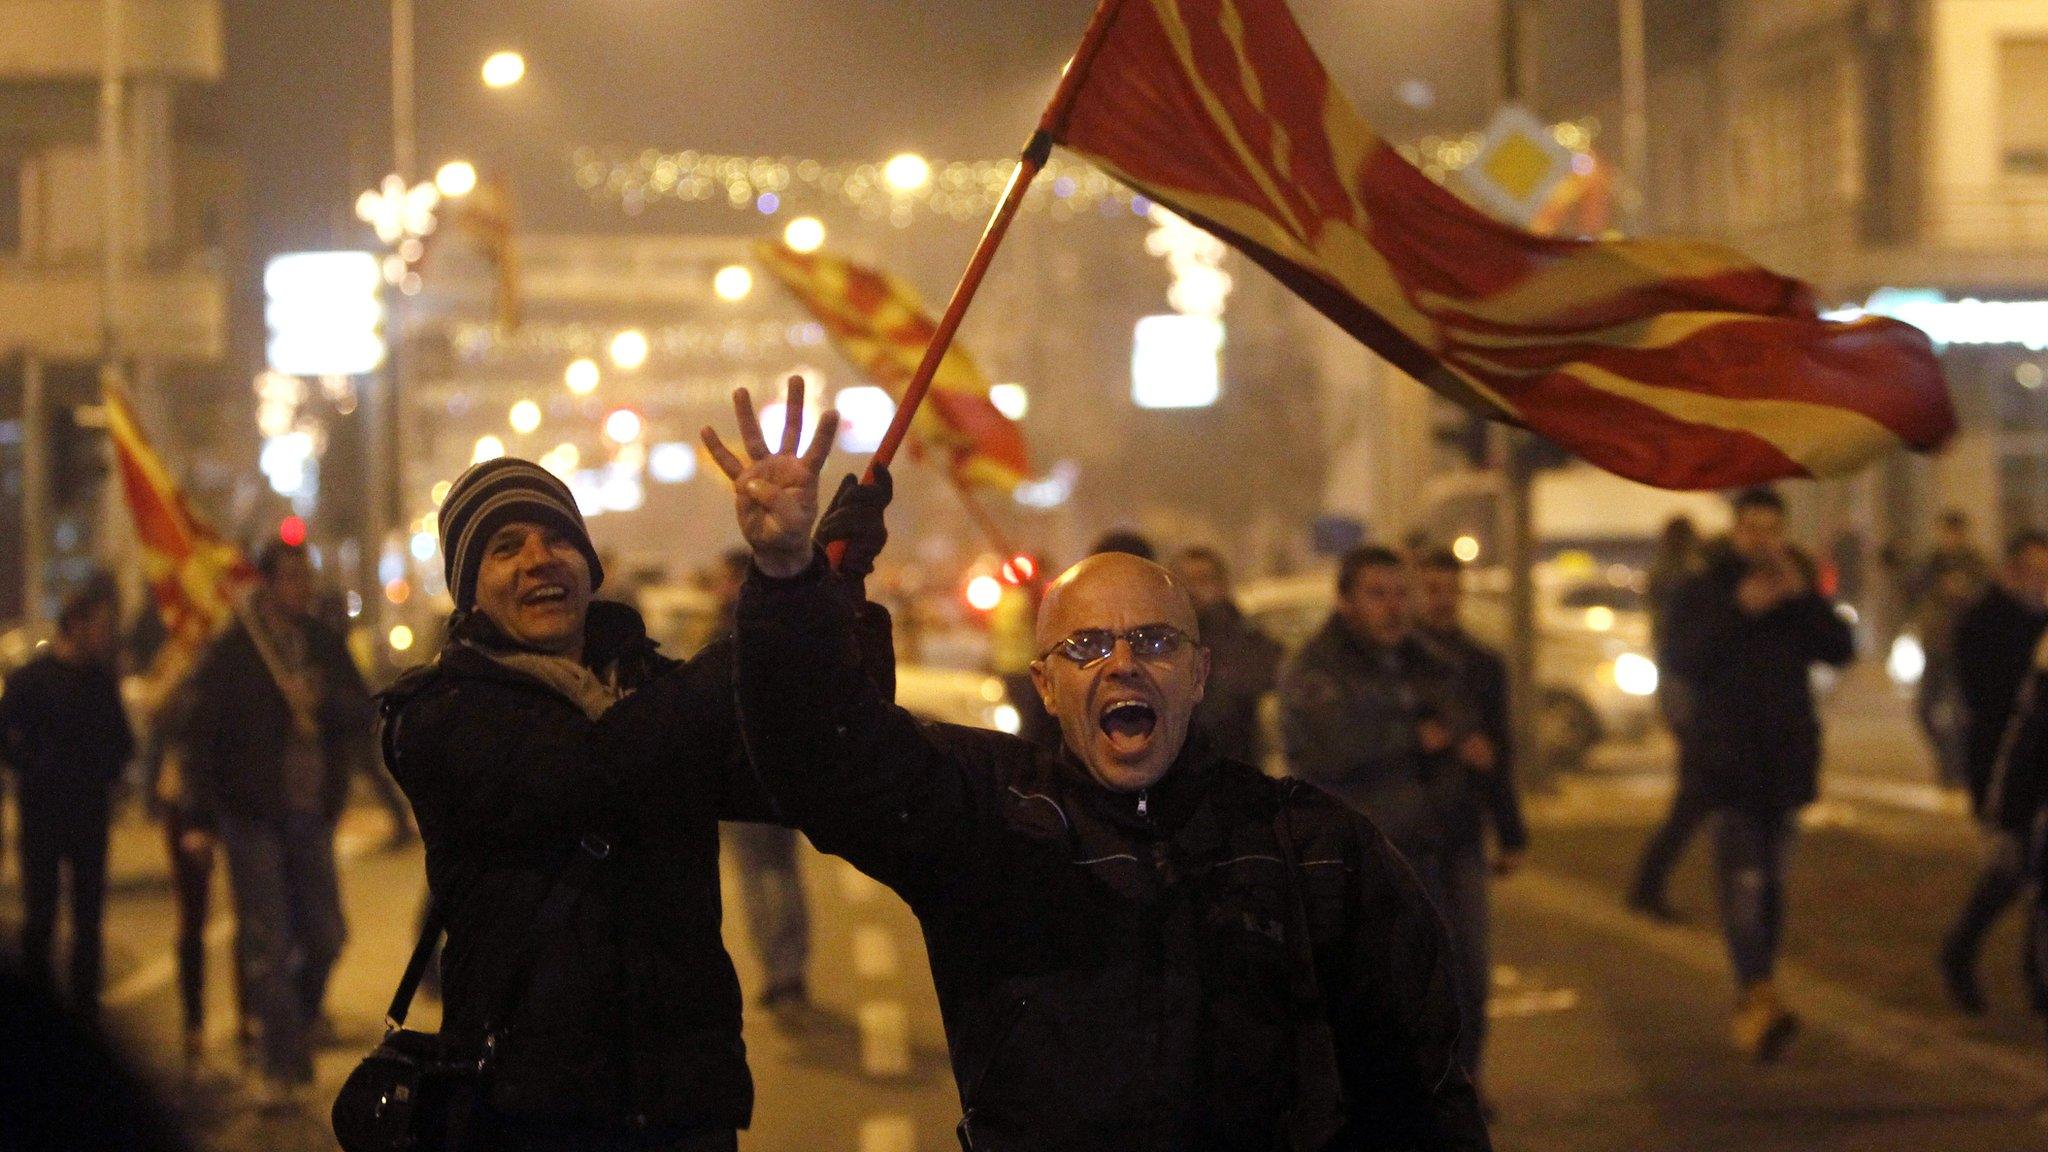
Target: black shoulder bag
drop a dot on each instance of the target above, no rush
(407, 1093)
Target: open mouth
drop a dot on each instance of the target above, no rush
(1129, 725)
(546, 594)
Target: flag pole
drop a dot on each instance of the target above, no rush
(982, 520)
(1036, 152)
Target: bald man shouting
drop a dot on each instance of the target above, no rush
(1137, 945)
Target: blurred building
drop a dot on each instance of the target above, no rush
(1894, 153)
(155, 298)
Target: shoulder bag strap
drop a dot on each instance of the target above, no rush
(415, 968)
(1317, 1116)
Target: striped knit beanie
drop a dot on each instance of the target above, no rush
(489, 496)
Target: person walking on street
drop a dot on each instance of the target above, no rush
(64, 734)
(1244, 663)
(278, 711)
(1679, 559)
(1361, 712)
(1480, 791)
(551, 730)
(1950, 579)
(1745, 633)
(1994, 648)
(1137, 944)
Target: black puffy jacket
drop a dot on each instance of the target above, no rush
(630, 1023)
(1115, 971)
(1756, 735)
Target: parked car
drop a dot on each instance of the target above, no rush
(1596, 678)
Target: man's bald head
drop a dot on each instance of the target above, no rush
(1125, 716)
(1113, 584)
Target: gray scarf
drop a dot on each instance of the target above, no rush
(579, 685)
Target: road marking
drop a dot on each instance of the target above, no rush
(1876, 1030)
(888, 1132)
(874, 952)
(884, 1039)
(157, 975)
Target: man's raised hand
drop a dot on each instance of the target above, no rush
(775, 494)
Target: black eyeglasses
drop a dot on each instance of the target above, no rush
(1094, 645)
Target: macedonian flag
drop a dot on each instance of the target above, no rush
(1676, 363)
(878, 323)
(193, 572)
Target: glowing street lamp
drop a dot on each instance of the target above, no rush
(525, 417)
(504, 69)
(581, 376)
(907, 172)
(456, 179)
(629, 349)
(732, 283)
(804, 234)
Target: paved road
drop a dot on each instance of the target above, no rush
(1608, 1029)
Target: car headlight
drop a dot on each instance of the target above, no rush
(1635, 674)
(1908, 660)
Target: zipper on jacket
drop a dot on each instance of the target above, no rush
(1145, 802)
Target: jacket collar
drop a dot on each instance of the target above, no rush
(1161, 810)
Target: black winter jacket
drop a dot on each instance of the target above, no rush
(63, 731)
(1349, 713)
(1756, 737)
(236, 734)
(1488, 797)
(1244, 664)
(630, 1024)
(1994, 648)
(1115, 971)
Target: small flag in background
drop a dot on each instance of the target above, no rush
(878, 323)
(194, 574)
(1675, 363)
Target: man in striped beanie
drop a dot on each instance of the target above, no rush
(510, 540)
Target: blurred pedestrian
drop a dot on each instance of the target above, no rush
(64, 734)
(1126, 540)
(278, 714)
(1244, 662)
(1680, 558)
(1948, 580)
(168, 698)
(765, 856)
(569, 780)
(1360, 710)
(1745, 633)
(1136, 943)
(1478, 792)
(1994, 649)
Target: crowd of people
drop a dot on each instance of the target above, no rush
(1139, 936)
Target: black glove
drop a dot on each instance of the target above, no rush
(855, 516)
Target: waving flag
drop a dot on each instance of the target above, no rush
(1678, 364)
(878, 323)
(194, 573)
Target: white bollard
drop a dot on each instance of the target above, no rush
(884, 1039)
(889, 1133)
(874, 952)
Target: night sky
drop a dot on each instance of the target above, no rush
(308, 89)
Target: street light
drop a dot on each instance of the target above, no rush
(525, 417)
(804, 234)
(907, 172)
(581, 376)
(456, 179)
(732, 283)
(629, 349)
(504, 69)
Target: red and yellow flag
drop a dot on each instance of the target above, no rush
(194, 573)
(1676, 363)
(878, 323)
